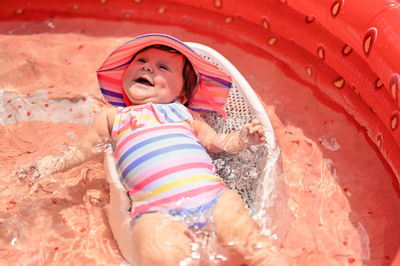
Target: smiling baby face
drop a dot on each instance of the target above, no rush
(154, 76)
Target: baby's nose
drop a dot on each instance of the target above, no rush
(147, 67)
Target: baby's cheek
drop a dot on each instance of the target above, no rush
(125, 83)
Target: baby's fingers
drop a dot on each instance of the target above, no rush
(262, 138)
(27, 174)
(254, 129)
(258, 133)
(256, 122)
(261, 133)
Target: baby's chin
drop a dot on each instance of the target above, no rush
(140, 101)
(143, 101)
(140, 96)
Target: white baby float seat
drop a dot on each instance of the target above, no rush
(254, 173)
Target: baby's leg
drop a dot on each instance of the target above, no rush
(162, 239)
(236, 229)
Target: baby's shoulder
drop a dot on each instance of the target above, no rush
(107, 112)
(106, 117)
(195, 115)
(110, 113)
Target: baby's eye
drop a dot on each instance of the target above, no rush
(141, 60)
(163, 67)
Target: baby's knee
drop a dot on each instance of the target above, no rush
(231, 218)
(162, 240)
(234, 226)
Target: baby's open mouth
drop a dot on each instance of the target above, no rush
(144, 81)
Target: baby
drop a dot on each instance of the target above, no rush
(160, 152)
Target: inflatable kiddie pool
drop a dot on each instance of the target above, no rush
(326, 71)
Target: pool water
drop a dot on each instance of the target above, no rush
(343, 197)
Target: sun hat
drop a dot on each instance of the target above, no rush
(210, 94)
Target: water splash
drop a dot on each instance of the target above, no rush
(330, 144)
(15, 108)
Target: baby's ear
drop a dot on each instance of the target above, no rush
(182, 98)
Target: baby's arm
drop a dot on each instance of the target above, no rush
(250, 134)
(93, 144)
(90, 146)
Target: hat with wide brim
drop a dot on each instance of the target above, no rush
(210, 94)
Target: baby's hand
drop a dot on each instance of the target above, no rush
(252, 134)
(42, 167)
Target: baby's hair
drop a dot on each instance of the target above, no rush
(188, 73)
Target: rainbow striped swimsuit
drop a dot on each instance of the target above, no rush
(161, 161)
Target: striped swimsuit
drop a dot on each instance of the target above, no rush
(162, 164)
